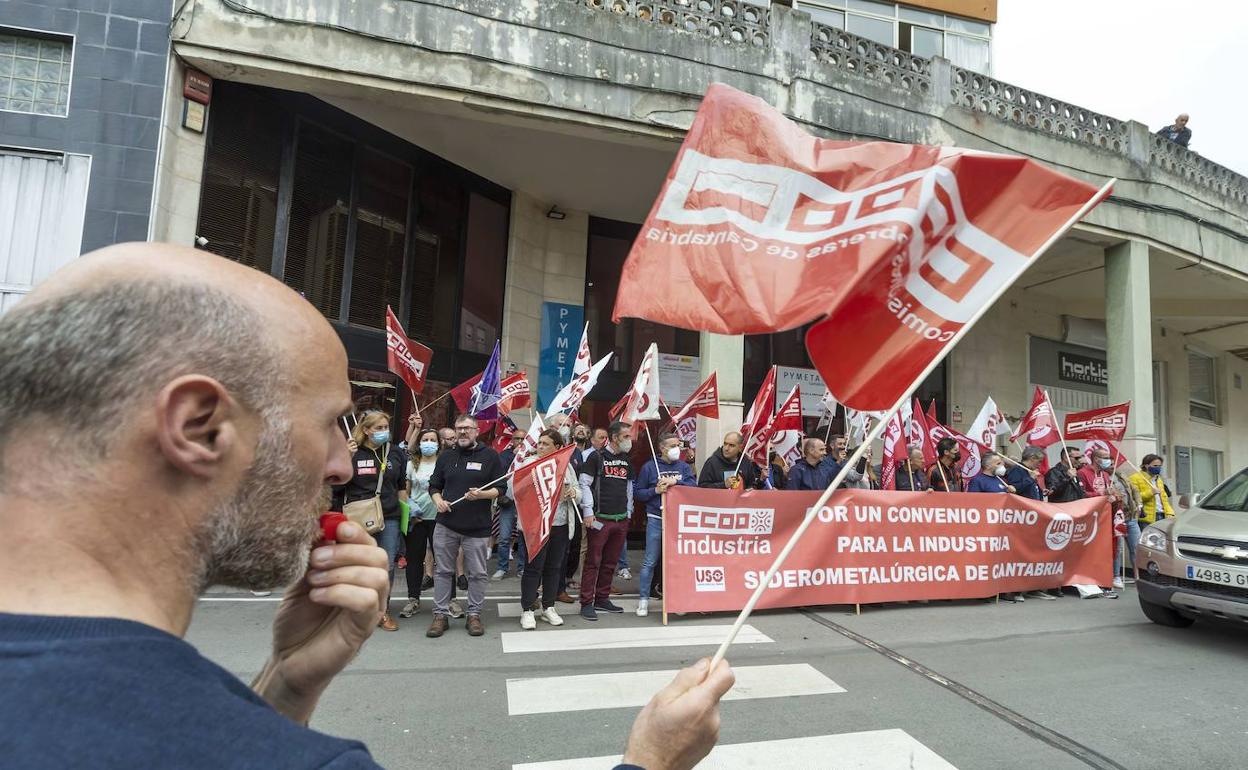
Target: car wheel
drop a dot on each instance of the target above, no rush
(1165, 616)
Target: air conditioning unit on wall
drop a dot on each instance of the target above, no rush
(1089, 332)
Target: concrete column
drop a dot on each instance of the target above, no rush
(1128, 326)
(725, 356)
(545, 263)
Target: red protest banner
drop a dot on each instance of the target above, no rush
(869, 547)
(410, 360)
(537, 487)
(1108, 423)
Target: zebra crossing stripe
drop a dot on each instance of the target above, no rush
(629, 689)
(598, 639)
(870, 750)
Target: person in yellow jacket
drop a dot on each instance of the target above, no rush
(1153, 498)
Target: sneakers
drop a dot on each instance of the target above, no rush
(387, 623)
(550, 616)
(606, 605)
(625, 574)
(427, 583)
(437, 627)
(456, 610)
(462, 582)
(1042, 596)
(527, 621)
(475, 626)
(1118, 583)
(498, 575)
(588, 612)
(643, 608)
(410, 608)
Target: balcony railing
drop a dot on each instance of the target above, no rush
(736, 22)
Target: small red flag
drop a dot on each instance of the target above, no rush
(1039, 426)
(516, 394)
(1108, 423)
(410, 360)
(537, 487)
(922, 435)
(704, 402)
(895, 452)
(788, 418)
(461, 394)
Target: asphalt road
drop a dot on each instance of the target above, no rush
(1066, 684)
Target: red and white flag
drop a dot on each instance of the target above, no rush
(1039, 426)
(643, 396)
(687, 428)
(971, 451)
(408, 359)
(788, 418)
(761, 227)
(570, 397)
(502, 436)
(989, 423)
(895, 451)
(1093, 444)
(920, 436)
(461, 394)
(529, 445)
(1108, 423)
(763, 408)
(516, 393)
(583, 362)
(704, 402)
(617, 408)
(537, 487)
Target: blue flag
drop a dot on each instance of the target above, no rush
(488, 391)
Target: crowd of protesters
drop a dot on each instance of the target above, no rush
(445, 518)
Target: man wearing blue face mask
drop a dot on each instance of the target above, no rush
(380, 468)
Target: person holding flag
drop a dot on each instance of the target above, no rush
(545, 567)
(1024, 475)
(656, 477)
(910, 476)
(1063, 481)
(725, 469)
(608, 477)
(945, 475)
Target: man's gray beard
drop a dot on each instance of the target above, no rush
(261, 538)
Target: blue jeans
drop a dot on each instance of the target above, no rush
(1133, 539)
(654, 552)
(388, 540)
(507, 530)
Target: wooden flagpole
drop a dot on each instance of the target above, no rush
(813, 512)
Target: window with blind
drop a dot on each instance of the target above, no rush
(380, 238)
(319, 216)
(1202, 379)
(238, 198)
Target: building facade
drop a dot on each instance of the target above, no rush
(82, 86)
(482, 167)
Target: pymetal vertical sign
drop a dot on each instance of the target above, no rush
(561, 335)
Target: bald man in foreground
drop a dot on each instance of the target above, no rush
(169, 422)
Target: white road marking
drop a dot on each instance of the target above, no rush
(870, 750)
(546, 695)
(597, 639)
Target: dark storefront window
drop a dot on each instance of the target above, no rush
(380, 238)
(319, 209)
(238, 197)
(367, 220)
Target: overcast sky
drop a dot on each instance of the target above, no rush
(1145, 60)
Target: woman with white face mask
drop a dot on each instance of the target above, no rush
(425, 449)
(379, 469)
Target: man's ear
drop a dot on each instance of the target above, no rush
(196, 424)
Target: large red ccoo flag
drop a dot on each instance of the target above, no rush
(1108, 423)
(761, 227)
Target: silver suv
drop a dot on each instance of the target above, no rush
(1196, 565)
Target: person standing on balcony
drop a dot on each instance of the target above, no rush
(1178, 133)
